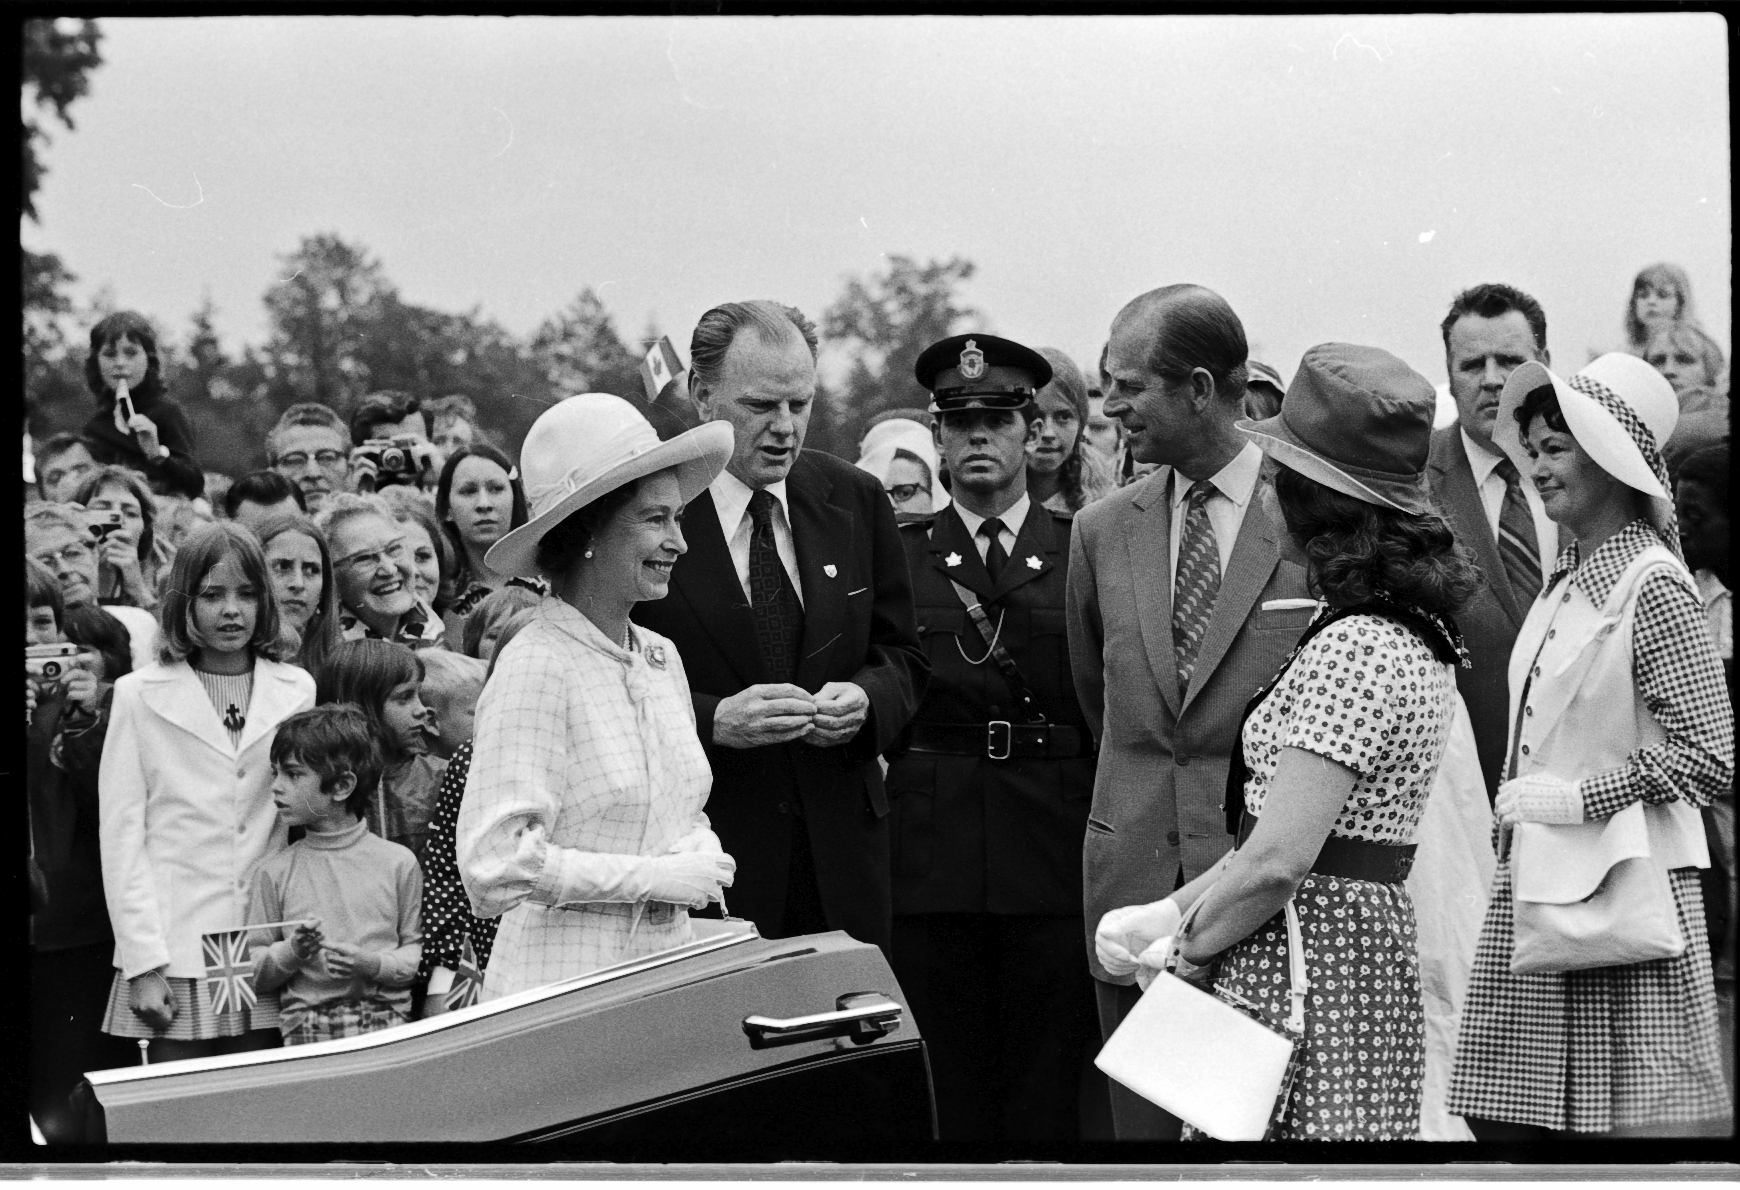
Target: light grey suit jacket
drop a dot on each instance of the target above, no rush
(1159, 793)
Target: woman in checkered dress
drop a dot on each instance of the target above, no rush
(1616, 698)
(581, 825)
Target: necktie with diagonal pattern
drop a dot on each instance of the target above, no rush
(779, 617)
(1196, 582)
(1518, 547)
(996, 557)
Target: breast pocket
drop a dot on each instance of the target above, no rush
(1286, 619)
(933, 621)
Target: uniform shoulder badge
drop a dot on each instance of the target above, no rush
(972, 364)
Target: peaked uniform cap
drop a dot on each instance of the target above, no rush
(586, 445)
(1358, 421)
(981, 372)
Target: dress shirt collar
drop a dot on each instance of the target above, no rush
(1481, 459)
(1236, 481)
(1013, 519)
(731, 500)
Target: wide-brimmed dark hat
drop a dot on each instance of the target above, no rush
(1357, 420)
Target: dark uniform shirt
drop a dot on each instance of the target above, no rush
(971, 834)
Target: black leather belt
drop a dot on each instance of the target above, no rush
(1002, 740)
(1354, 859)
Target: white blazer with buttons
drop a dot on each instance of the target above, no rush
(184, 815)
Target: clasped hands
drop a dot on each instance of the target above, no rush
(1539, 797)
(776, 712)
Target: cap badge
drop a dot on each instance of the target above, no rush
(1033, 562)
(952, 560)
(972, 366)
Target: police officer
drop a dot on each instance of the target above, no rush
(990, 796)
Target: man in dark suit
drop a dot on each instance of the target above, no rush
(990, 799)
(1490, 331)
(1180, 607)
(792, 612)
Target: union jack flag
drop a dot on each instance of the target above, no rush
(467, 981)
(229, 972)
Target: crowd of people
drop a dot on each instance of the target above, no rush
(434, 721)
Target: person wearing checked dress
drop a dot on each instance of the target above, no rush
(1616, 698)
(990, 785)
(1338, 756)
(581, 824)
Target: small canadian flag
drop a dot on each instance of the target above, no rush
(659, 368)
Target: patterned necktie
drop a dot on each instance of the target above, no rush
(1518, 548)
(1196, 583)
(779, 617)
(996, 557)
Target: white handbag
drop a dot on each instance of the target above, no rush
(1591, 895)
(1209, 1062)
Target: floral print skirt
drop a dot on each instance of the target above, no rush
(1365, 1047)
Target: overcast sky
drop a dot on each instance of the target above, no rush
(1334, 178)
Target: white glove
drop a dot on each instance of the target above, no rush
(1125, 933)
(1539, 797)
(596, 877)
(1152, 962)
(700, 839)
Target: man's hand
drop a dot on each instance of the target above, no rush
(123, 557)
(149, 996)
(769, 713)
(841, 708)
(350, 961)
(362, 468)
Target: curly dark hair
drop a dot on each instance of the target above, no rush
(564, 545)
(1360, 551)
(1543, 403)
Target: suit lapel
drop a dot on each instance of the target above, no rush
(949, 539)
(706, 578)
(1036, 541)
(822, 534)
(1255, 553)
(179, 697)
(1469, 515)
(1150, 545)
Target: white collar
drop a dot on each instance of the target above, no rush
(731, 498)
(1481, 459)
(1012, 519)
(1236, 481)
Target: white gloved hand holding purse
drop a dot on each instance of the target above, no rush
(1539, 797)
(1125, 933)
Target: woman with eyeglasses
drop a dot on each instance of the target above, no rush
(903, 455)
(373, 574)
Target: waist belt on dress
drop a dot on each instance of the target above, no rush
(1002, 740)
(1353, 859)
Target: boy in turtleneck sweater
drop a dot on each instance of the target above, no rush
(346, 969)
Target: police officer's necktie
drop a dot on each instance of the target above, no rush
(1518, 547)
(779, 617)
(1196, 582)
(995, 555)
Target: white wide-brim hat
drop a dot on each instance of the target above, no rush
(587, 445)
(1619, 409)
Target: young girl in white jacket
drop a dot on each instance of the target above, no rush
(186, 811)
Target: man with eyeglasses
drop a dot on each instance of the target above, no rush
(371, 566)
(310, 446)
(57, 536)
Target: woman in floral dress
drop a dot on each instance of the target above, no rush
(1339, 754)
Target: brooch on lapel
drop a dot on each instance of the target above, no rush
(952, 560)
(1033, 562)
(655, 656)
(830, 570)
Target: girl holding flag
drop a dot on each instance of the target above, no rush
(185, 803)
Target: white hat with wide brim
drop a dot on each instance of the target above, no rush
(593, 443)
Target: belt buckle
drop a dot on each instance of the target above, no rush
(999, 729)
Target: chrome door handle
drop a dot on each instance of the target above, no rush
(862, 1016)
